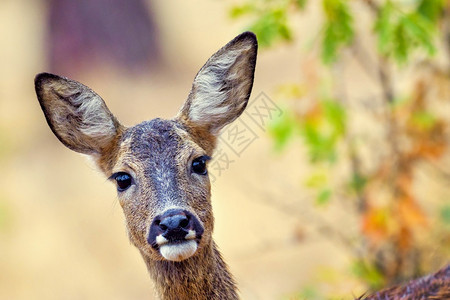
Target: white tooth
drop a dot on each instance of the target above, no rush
(160, 240)
(178, 252)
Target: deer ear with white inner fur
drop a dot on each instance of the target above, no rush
(77, 115)
(222, 87)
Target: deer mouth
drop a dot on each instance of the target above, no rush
(177, 249)
(176, 234)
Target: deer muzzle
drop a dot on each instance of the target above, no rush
(175, 234)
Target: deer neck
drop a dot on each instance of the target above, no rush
(203, 276)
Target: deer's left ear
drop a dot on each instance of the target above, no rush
(222, 87)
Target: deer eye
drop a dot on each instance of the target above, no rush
(123, 180)
(199, 165)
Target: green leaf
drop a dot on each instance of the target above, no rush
(323, 132)
(445, 214)
(239, 11)
(319, 181)
(324, 196)
(419, 31)
(336, 116)
(270, 19)
(401, 46)
(271, 26)
(384, 27)
(282, 130)
(431, 9)
(337, 29)
(399, 33)
(320, 143)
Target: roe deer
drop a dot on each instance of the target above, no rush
(159, 167)
(434, 286)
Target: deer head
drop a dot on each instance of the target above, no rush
(159, 166)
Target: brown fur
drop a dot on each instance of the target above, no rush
(158, 155)
(185, 280)
(434, 286)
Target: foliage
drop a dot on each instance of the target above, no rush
(269, 19)
(399, 33)
(337, 28)
(408, 35)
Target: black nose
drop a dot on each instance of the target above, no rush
(174, 225)
(174, 221)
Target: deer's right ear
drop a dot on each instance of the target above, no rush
(77, 115)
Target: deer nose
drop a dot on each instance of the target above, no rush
(174, 222)
(174, 226)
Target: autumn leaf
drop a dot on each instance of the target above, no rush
(375, 224)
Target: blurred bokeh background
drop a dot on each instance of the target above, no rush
(343, 187)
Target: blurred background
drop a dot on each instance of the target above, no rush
(342, 187)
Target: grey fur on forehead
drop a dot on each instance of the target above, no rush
(156, 145)
(156, 136)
